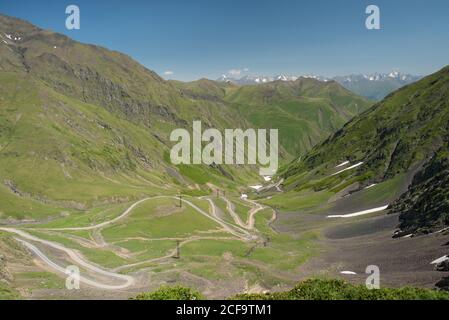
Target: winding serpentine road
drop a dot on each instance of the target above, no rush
(250, 220)
(128, 280)
(74, 256)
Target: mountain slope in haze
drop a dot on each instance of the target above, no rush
(396, 137)
(95, 75)
(374, 86)
(305, 111)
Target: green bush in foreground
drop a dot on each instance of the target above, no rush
(171, 293)
(313, 289)
(317, 289)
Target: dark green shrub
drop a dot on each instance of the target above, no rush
(170, 293)
(318, 289)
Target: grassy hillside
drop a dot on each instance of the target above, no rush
(82, 126)
(305, 111)
(317, 289)
(393, 138)
(313, 289)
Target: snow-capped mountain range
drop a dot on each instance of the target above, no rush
(394, 75)
(257, 79)
(373, 86)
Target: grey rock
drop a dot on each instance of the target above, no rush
(442, 266)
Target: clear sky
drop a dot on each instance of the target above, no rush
(206, 38)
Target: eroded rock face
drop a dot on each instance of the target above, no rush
(424, 207)
(5, 275)
(13, 187)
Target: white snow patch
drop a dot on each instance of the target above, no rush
(267, 178)
(348, 272)
(348, 168)
(244, 196)
(359, 213)
(256, 187)
(342, 164)
(439, 260)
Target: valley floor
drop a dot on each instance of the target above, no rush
(352, 247)
(156, 241)
(221, 246)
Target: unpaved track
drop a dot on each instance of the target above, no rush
(240, 226)
(257, 207)
(172, 252)
(234, 215)
(74, 257)
(243, 234)
(106, 223)
(249, 225)
(128, 280)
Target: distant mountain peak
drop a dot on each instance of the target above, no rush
(373, 86)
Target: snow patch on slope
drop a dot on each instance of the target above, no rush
(359, 213)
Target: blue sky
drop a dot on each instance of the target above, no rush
(206, 38)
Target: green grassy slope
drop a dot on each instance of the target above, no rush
(425, 206)
(395, 137)
(305, 111)
(313, 289)
(83, 126)
(322, 289)
(56, 150)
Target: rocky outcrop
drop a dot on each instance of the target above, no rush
(442, 266)
(424, 207)
(5, 275)
(443, 284)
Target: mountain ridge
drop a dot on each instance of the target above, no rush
(404, 134)
(373, 86)
(94, 125)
